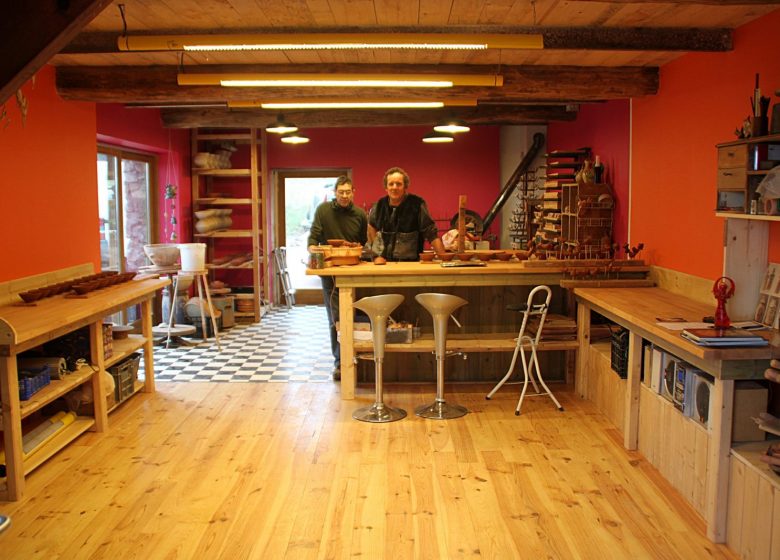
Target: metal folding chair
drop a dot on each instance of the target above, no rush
(283, 276)
(530, 366)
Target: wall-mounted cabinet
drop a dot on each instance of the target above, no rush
(742, 165)
(227, 200)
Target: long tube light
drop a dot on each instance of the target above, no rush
(351, 104)
(322, 41)
(339, 80)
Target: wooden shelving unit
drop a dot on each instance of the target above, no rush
(246, 193)
(742, 164)
(23, 327)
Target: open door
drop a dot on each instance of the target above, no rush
(297, 195)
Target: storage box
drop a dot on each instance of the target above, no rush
(125, 373)
(33, 380)
(750, 399)
(619, 357)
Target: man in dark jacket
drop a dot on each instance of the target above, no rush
(399, 223)
(337, 219)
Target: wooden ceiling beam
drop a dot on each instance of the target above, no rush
(157, 84)
(593, 38)
(32, 32)
(484, 115)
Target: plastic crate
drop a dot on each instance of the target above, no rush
(32, 380)
(125, 374)
(619, 354)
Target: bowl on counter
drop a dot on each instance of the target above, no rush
(503, 256)
(427, 256)
(162, 254)
(485, 256)
(445, 257)
(465, 256)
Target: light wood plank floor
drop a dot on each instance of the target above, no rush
(267, 471)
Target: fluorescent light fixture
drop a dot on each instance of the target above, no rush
(339, 80)
(438, 138)
(350, 104)
(452, 126)
(321, 41)
(294, 138)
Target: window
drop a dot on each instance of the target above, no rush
(126, 196)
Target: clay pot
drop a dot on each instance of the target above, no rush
(465, 256)
(426, 256)
(446, 257)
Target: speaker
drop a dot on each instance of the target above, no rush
(701, 398)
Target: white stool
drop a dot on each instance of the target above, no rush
(440, 306)
(378, 309)
(528, 309)
(201, 281)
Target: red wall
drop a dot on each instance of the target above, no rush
(703, 97)
(142, 130)
(48, 208)
(605, 129)
(438, 172)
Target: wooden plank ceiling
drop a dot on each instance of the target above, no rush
(593, 51)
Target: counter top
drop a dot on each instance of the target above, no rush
(434, 269)
(640, 308)
(26, 325)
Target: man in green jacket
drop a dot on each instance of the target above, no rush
(337, 219)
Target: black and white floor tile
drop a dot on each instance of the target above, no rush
(288, 345)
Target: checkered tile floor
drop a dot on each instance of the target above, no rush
(287, 345)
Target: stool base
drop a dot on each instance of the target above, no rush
(376, 414)
(441, 411)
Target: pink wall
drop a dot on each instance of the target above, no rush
(604, 128)
(702, 99)
(438, 172)
(141, 130)
(49, 206)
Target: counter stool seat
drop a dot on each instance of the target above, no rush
(440, 306)
(378, 309)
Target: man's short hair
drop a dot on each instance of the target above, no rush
(343, 180)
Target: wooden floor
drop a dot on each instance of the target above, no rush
(267, 471)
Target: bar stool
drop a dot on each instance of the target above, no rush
(440, 306)
(378, 308)
(528, 309)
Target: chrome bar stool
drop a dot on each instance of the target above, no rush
(528, 309)
(378, 308)
(440, 306)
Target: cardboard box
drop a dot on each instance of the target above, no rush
(750, 399)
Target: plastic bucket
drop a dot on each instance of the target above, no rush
(193, 256)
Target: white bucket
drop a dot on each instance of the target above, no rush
(193, 256)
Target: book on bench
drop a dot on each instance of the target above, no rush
(724, 337)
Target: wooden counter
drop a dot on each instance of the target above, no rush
(23, 327)
(416, 274)
(638, 310)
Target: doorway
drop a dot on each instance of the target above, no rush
(298, 193)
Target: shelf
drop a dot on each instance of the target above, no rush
(741, 216)
(223, 201)
(55, 390)
(61, 439)
(124, 347)
(137, 387)
(227, 233)
(222, 172)
(754, 140)
(482, 342)
(750, 453)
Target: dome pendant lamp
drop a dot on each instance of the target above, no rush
(452, 126)
(281, 127)
(438, 138)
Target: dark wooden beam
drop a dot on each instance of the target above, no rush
(487, 115)
(32, 32)
(593, 38)
(157, 84)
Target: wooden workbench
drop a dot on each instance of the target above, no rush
(23, 327)
(638, 310)
(415, 275)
